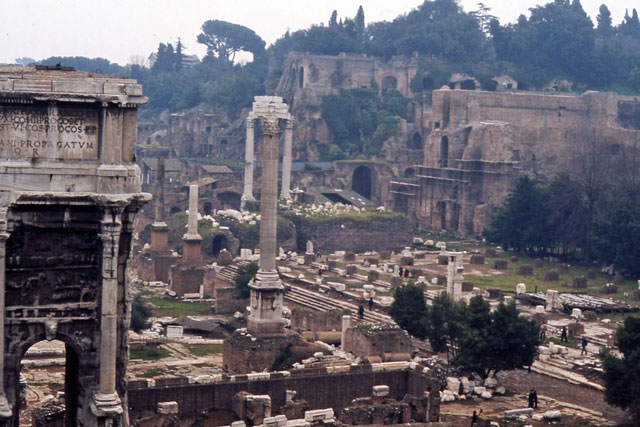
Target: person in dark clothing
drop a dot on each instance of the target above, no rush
(535, 399)
(543, 332)
(370, 304)
(406, 272)
(563, 337)
(531, 399)
(361, 312)
(474, 418)
(320, 272)
(584, 345)
(401, 271)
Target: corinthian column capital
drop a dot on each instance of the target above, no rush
(270, 127)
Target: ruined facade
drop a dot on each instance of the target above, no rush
(480, 142)
(69, 193)
(194, 133)
(307, 78)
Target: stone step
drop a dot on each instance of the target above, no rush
(321, 302)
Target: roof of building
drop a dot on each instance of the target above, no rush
(346, 197)
(170, 165)
(216, 169)
(201, 182)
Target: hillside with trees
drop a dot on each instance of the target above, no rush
(555, 41)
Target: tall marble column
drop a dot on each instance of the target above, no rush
(5, 408)
(267, 289)
(159, 228)
(106, 402)
(247, 195)
(286, 161)
(192, 241)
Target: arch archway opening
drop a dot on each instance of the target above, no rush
(389, 82)
(409, 173)
(361, 181)
(219, 243)
(42, 374)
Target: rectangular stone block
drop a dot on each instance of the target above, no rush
(166, 408)
(380, 390)
(319, 415)
(516, 413)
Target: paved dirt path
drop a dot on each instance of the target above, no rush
(520, 381)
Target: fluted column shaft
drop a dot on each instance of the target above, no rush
(248, 161)
(269, 196)
(287, 159)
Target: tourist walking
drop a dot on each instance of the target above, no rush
(370, 304)
(543, 332)
(474, 418)
(531, 399)
(361, 312)
(535, 399)
(584, 345)
(563, 337)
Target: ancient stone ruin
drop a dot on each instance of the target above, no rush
(69, 193)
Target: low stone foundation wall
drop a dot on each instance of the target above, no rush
(333, 387)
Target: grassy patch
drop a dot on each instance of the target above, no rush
(155, 372)
(165, 306)
(367, 216)
(508, 279)
(573, 343)
(204, 349)
(149, 353)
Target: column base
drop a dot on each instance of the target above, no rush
(285, 195)
(106, 405)
(5, 408)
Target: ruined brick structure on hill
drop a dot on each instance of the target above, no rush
(458, 152)
(307, 78)
(480, 142)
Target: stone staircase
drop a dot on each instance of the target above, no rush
(228, 273)
(320, 302)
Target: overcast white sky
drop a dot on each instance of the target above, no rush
(121, 29)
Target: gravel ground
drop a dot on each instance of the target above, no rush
(521, 381)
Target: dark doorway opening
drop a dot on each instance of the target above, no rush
(416, 141)
(401, 203)
(361, 182)
(442, 209)
(444, 152)
(219, 243)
